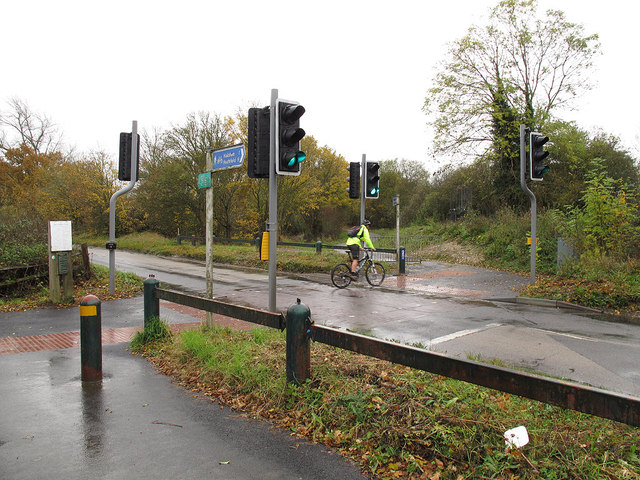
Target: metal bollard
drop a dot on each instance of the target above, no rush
(298, 343)
(151, 302)
(318, 247)
(91, 338)
(401, 261)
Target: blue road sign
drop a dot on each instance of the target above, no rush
(228, 157)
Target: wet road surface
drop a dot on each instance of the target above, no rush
(446, 308)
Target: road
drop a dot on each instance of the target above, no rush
(450, 309)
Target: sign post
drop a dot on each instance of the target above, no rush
(217, 159)
(396, 203)
(60, 263)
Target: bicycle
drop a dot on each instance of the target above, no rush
(373, 271)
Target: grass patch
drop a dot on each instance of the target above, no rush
(155, 330)
(126, 285)
(395, 421)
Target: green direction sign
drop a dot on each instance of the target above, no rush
(204, 180)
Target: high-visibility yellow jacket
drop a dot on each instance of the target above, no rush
(363, 234)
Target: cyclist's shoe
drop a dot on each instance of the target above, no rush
(354, 276)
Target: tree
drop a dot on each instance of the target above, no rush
(572, 151)
(406, 178)
(36, 131)
(171, 164)
(519, 65)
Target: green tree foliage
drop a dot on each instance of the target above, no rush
(605, 224)
(405, 178)
(571, 152)
(504, 156)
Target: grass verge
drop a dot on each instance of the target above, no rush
(126, 285)
(395, 421)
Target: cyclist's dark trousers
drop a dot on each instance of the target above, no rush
(355, 251)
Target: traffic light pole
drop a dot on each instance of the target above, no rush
(272, 226)
(532, 197)
(111, 245)
(363, 169)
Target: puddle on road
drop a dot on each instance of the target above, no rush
(408, 283)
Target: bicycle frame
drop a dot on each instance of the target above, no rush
(373, 271)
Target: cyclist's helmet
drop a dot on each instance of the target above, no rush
(366, 222)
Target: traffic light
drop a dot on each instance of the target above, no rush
(124, 163)
(372, 189)
(537, 154)
(354, 180)
(258, 145)
(288, 154)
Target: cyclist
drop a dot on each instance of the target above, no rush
(354, 244)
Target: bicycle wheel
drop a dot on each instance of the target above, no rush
(374, 272)
(340, 275)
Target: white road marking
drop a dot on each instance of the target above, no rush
(462, 333)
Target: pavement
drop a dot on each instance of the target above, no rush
(134, 423)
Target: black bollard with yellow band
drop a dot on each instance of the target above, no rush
(91, 338)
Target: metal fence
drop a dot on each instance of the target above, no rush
(593, 401)
(381, 254)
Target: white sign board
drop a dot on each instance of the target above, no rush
(60, 236)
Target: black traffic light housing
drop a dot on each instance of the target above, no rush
(289, 134)
(258, 143)
(354, 180)
(537, 155)
(372, 178)
(124, 163)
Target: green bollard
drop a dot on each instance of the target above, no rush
(90, 338)
(151, 302)
(298, 343)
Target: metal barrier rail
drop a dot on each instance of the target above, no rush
(253, 315)
(625, 409)
(593, 401)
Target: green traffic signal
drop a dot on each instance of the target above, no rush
(289, 134)
(293, 159)
(372, 177)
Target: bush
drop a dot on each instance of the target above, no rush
(22, 240)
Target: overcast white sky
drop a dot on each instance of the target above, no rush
(93, 67)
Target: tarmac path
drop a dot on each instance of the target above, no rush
(135, 423)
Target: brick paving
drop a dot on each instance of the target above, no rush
(55, 341)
